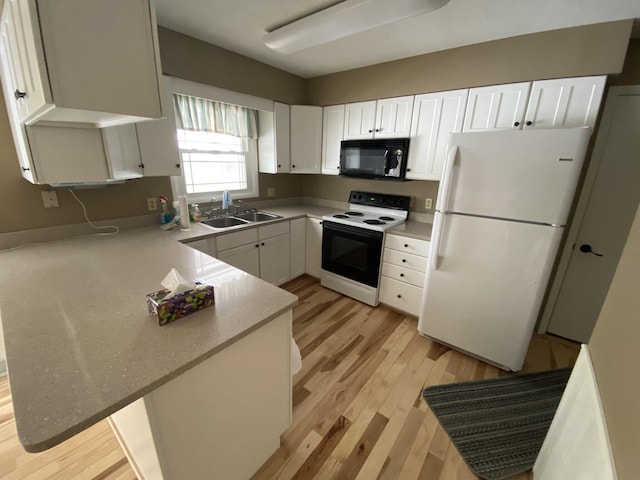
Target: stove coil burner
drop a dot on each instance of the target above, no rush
(339, 215)
(354, 214)
(386, 219)
(373, 221)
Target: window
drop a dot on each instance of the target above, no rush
(218, 145)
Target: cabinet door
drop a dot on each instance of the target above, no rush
(17, 129)
(332, 135)
(306, 138)
(275, 259)
(282, 131)
(122, 153)
(26, 64)
(158, 140)
(565, 103)
(313, 263)
(435, 117)
(246, 258)
(359, 120)
(393, 117)
(56, 150)
(298, 228)
(499, 107)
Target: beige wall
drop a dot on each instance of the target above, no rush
(590, 50)
(183, 57)
(631, 71)
(614, 352)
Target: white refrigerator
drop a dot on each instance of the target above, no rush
(502, 207)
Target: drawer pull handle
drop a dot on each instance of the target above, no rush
(402, 274)
(404, 260)
(406, 245)
(399, 296)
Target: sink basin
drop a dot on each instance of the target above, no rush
(257, 216)
(224, 222)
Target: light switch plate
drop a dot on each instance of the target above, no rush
(271, 192)
(50, 199)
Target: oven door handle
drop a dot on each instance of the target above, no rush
(359, 231)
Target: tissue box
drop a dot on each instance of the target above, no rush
(165, 311)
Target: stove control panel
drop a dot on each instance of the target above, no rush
(396, 202)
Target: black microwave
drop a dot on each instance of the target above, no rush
(384, 158)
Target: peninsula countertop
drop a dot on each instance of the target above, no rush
(80, 343)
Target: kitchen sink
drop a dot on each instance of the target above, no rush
(224, 222)
(257, 216)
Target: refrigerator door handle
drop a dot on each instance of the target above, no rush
(438, 227)
(447, 179)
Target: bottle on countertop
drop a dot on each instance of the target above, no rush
(165, 215)
(196, 216)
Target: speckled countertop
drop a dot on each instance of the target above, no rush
(80, 343)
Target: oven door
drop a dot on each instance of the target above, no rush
(352, 252)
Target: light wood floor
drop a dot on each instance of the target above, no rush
(358, 411)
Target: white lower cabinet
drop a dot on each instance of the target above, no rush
(205, 245)
(403, 265)
(263, 252)
(298, 231)
(245, 258)
(313, 263)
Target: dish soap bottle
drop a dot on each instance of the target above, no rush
(196, 216)
(165, 216)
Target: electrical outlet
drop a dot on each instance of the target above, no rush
(271, 192)
(152, 204)
(428, 203)
(50, 199)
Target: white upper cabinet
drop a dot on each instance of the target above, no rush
(274, 154)
(158, 140)
(385, 118)
(66, 65)
(306, 139)
(435, 117)
(122, 152)
(359, 120)
(565, 102)
(332, 135)
(393, 117)
(498, 107)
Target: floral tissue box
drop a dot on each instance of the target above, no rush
(166, 311)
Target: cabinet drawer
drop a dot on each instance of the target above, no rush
(236, 239)
(273, 230)
(409, 245)
(400, 295)
(403, 274)
(414, 262)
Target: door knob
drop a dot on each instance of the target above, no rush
(586, 248)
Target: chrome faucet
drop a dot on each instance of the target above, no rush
(210, 212)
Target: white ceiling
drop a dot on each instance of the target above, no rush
(239, 25)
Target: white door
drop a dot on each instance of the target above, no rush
(17, 129)
(332, 135)
(306, 138)
(313, 262)
(298, 228)
(435, 117)
(25, 59)
(393, 117)
(499, 107)
(158, 140)
(359, 120)
(603, 217)
(274, 259)
(485, 283)
(246, 258)
(122, 152)
(565, 103)
(528, 175)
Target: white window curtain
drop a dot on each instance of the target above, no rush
(204, 115)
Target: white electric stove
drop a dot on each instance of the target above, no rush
(352, 243)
